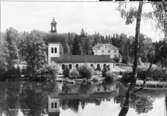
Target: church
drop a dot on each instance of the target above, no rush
(103, 54)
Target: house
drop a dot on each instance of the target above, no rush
(106, 49)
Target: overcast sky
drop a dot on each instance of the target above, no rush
(71, 17)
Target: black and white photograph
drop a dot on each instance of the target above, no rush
(83, 58)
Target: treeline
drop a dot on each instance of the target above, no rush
(31, 47)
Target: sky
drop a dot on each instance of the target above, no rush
(100, 17)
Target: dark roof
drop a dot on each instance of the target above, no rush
(82, 58)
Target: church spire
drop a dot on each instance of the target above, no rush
(53, 25)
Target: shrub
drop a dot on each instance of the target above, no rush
(66, 71)
(153, 74)
(85, 71)
(110, 76)
(126, 77)
(49, 71)
(74, 73)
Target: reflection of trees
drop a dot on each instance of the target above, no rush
(33, 99)
(9, 99)
(142, 104)
(84, 87)
(74, 103)
(15, 95)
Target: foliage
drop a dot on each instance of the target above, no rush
(66, 71)
(11, 44)
(50, 71)
(76, 50)
(126, 78)
(160, 52)
(85, 71)
(155, 74)
(74, 73)
(34, 50)
(142, 104)
(110, 76)
(3, 56)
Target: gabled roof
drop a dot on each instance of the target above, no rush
(109, 46)
(82, 59)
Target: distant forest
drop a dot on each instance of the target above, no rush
(27, 45)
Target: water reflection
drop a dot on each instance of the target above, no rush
(31, 99)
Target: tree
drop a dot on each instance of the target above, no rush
(50, 71)
(74, 73)
(34, 50)
(129, 19)
(11, 44)
(76, 49)
(85, 71)
(66, 71)
(3, 56)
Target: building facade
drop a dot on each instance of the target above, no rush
(106, 49)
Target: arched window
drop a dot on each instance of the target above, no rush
(63, 66)
(52, 50)
(91, 65)
(52, 105)
(55, 50)
(77, 66)
(70, 66)
(98, 67)
(104, 65)
(55, 105)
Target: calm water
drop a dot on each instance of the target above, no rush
(31, 99)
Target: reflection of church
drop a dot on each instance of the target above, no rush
(104, 54)
(53, 106)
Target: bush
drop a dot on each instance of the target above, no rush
(126, 77)
(110, 76)
(74, 73)
(153, 74)
(49, 71)
(66, 71)
(85, 71)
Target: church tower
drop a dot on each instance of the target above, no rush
(53, 26)
(53, 106)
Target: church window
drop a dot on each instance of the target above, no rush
(55, 50)
(63, 66)
(52, 50)
(55, 105)
(70, 66)
(52, 105)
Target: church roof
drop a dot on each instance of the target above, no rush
(107, 46)
(82, 58)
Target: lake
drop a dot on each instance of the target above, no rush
(31, 99)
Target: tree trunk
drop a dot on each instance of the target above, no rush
(136, 46)
(125, 108)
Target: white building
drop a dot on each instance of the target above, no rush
(106, 49)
